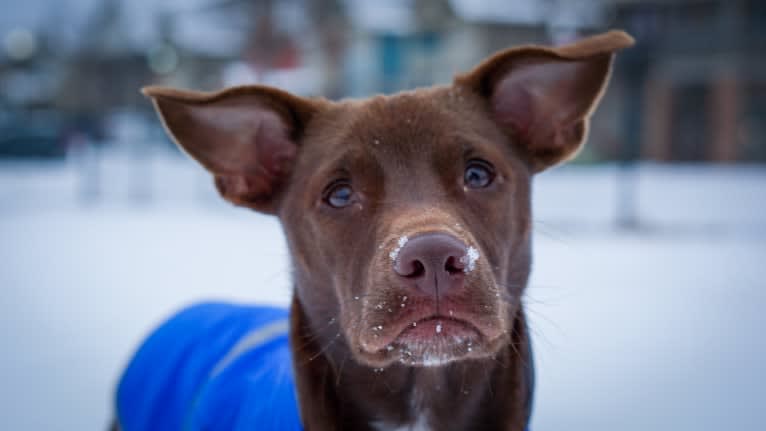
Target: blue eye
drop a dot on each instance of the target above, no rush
(478, 174)
(339, 195)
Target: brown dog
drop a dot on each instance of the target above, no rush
(408, 222)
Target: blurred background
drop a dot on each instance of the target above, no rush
(647, 297)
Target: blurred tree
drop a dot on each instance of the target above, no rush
(105, 71)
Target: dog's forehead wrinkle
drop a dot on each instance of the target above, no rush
(374, 138)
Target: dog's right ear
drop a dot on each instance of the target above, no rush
(245, 136)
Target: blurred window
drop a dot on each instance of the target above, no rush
(690, 134)
(752, 128)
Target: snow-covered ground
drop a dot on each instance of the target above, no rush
(658, 328)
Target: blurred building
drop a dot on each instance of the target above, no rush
(699, 74)
(691, 90)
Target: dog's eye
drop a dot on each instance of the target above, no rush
(339, 194)
(478, 174)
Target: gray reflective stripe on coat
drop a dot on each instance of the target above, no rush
(252, 340)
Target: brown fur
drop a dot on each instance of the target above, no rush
(522, 110)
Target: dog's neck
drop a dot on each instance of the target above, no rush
(335, 392)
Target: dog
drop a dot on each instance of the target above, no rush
(408, 222)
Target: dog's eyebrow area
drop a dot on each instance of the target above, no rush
(355, 166)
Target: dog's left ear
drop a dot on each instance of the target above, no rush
(543, 97)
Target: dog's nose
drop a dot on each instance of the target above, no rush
(432, 263)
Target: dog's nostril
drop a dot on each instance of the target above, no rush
(416, 270)
(453, 266)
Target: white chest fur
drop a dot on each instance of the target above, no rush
(421, 424)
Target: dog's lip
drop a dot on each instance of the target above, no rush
(459, 320)
(428, 327)
(440, 324)
(437, 326)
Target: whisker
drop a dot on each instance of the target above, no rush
(485, 369)
(323, 349)
(462, 378)
(316, 333)
(539, 335)
(544, 317)
(340, 369)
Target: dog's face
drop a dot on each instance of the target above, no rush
(408, 220)
(407, 216)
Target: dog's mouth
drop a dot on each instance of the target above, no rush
(435, 340)
(432, 340)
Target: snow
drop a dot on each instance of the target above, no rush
(399, 244)
(655, 328)
(470, 258)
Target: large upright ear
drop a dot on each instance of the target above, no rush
(543, 96)
(245, 136)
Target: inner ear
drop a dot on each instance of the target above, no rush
(547, 103)
(558, 91)
(542, 97)
(245, 136)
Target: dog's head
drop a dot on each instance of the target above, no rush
(407, 216)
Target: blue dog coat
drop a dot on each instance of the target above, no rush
(212, 367)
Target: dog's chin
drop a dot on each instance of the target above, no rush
(432, 342)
